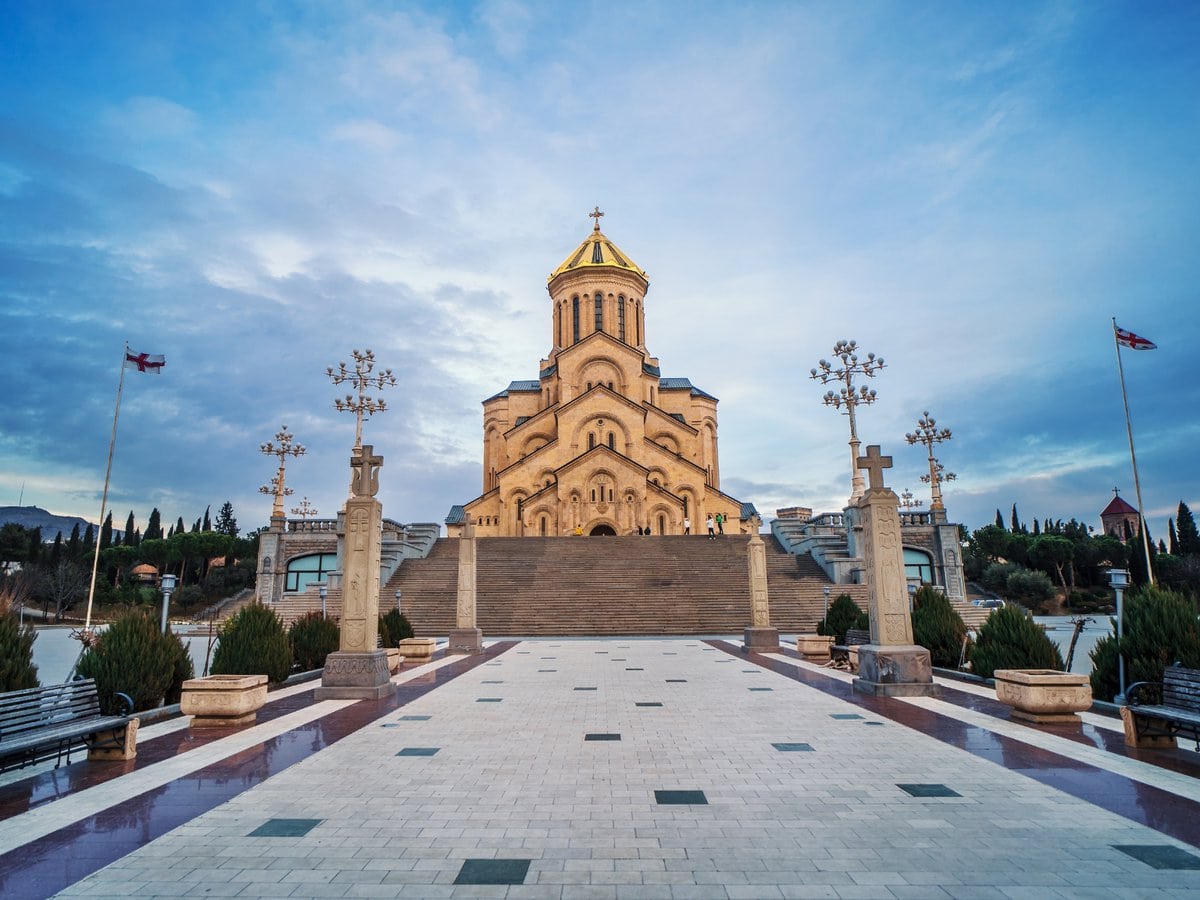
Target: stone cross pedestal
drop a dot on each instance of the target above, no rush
(466, 637)
(891, 665)
(359, 669)
(760, 637)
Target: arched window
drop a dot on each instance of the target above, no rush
(599, 313)
(542, 525)
(662, 524)
(593, 495)
(591, 443)
(621, 318)
(918, 565)
(610, 495)
(304, 570)
(575, 319)
(612, 439)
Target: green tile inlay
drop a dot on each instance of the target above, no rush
(547, 670)
(676, 681)
(680, 798)
(586, 689)
(603, 652)
(389, 725)
(415, 718)
(493, 871)
(633, 669)
(845, 716)
(648, 703)
(418, 751)
(602, 736)
(493, 682)
(761, 689)
(285, 828)
(928, 790)
(489, 700)
(792, 748)
(1160, 856)
(872, 723)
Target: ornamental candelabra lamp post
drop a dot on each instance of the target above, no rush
(283, 447)
(305, 510)
(928, 434)
(843, 369)
(907, 501)
(361, 379)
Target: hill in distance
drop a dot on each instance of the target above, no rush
(36, 517)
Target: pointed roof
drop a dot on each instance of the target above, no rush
(1118, 507)
(597, 250)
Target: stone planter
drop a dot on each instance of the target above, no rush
(814, 647)
(1043, 695)
(223, 699)
(395, 658)
(418, 649)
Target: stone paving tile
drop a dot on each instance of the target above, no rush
(517, 780)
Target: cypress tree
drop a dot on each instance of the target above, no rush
(1137, 558)
(1016, 521)
(153, 530)
(1185, 525)
(106, 533)
(179, 526)
(207, 521)
(1174, 541)
(89, 540)
(35, 545)
(56, 551)
(75, 543)
(1037, 529)
(128, 539)
(1000, 521)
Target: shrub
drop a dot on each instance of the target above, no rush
(253, 642)
(393, 628)
(1011, 640)
(843, 615)
(938, 627)
(995, 576)
(1160, 629)
(134, 657)
(1029, 586)
(312, 638)
(17, 670)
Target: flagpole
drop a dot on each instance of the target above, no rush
(87, 624)
(1137, 485)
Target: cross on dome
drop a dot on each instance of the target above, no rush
(596, 214)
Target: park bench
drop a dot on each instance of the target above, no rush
(1177, 714)
(847, 651)
(41, 723)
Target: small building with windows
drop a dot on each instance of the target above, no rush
(601, 440)
(1119, 519)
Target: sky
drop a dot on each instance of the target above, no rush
(970, 190)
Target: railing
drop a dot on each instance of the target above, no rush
(827, 520)
(311, 525)
(916, 518)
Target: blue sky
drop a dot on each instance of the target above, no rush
(970, 190)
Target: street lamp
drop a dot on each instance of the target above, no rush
(827, 589)
(398, 604)
(168, 585)
(1119, 579)
(907, 501)
(928, 433)
(283, 450)
(847, 396)
(361, 379)
(322, 589)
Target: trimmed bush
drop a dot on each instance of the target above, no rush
(843, 615)
(995, 576)
(938, 627)
(1160, 630)
(312, 638)
(17, 670)
(134, 657)
(1011, 640)
(1029, 586)
(393, 628)
(253, 642)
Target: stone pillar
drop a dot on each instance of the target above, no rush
(466, 637)
(760, 637)
(359, 669)
(271, 562)
(891, 665)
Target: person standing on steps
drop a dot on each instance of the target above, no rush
(720, 523)
(712, 535)
(687, 525)
(578, 531)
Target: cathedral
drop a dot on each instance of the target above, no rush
(600, 443)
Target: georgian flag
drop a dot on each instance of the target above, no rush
(145, 362)
(1133, 341)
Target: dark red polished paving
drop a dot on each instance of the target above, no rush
(1153, 807)
(58, 860)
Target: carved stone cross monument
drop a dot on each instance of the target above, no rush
(760, 637)
(466, 637)
(359, 669)
(891, 665)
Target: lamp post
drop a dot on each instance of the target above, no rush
(928, 434)
(360, 378)
(283, 449)
(827, 590)
(849, 397)
(168, 585)
(305, 510)
(398, 604)
(907, 501)
(1119, 579)
(322, 589)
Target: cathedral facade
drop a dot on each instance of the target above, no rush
(600, 442)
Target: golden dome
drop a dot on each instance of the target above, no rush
(597, 250)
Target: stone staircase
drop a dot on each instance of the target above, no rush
(611, 586)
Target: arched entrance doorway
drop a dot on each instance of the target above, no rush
(602, 529)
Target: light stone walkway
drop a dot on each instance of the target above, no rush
(516, 779)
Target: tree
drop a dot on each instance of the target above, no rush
(999, 520)
(35, 546)
(89, 540)
(1016, 521)
(179, 527)
(1138, 573)
(153, 530)
(226, 523)
(129, 538)
(106, 531)
(64, 586)
(1185, 529)
(1057, 553)
(991, 541)
(207, 522)
(14, 543)
(75, 544)
(1173, 541)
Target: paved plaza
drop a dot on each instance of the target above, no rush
(639, 768)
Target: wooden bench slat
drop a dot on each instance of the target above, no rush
(37, 723)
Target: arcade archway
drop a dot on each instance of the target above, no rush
(602, 530)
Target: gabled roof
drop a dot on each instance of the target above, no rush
(683, 384)
(517, 387)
